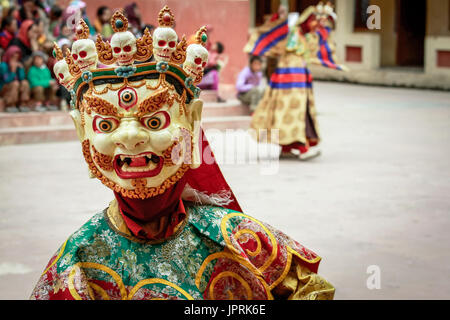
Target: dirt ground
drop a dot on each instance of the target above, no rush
(378, 195)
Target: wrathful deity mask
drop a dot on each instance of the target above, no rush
(139, 133)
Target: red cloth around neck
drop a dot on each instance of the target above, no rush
(166, 209)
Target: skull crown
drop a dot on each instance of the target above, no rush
(124, 49)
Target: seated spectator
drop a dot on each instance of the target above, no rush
(28, 10)
(8, 31)
(43, 86)
(14, 88)
(26, 39)
(2, 101)
(102, 23)
(133, 15)
(248, 81)
(47, 48)
(216, 62)
(64, 44)
(65, 32)
(55, 22)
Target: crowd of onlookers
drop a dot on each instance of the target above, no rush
(29, 29)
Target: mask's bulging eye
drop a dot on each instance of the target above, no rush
(161, 43)
(127, 48)
(153, 123)
(117, 49)
(172, 44)
(105, 125)
(83, 54)
(158, 121)
(198, 60)
(127, 98)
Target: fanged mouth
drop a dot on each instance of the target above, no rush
(144, 165)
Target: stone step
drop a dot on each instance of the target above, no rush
(37, 134)
(223, 123)
(34, 119)
(208, 96)
(52, 133)
(230, 108)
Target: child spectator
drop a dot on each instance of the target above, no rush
(216, 62)
(8, 32)
(43, 86)
(102, 23)
(248, 82)
(14, 87)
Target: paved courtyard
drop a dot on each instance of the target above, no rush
(378, 196)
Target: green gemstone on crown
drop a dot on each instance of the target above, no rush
(119, 24)
(204, 37)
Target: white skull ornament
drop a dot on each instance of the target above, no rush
(84, 52)
(61, 70)
(196, 56)
(165, 43)
(196, 60)
(165, 39)
(124, 47)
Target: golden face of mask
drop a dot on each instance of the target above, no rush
(138, 138)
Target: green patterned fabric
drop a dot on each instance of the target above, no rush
(177, 260)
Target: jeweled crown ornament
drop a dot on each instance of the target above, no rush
(136, 122)
(124, 48)
(84, 53)
(197, 56)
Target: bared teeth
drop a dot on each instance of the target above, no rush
(128, 163)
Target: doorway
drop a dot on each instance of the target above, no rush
(410, 27)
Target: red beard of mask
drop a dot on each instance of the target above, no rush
(156, 217)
